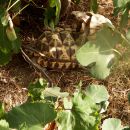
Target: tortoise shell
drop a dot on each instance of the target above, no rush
(56, 49)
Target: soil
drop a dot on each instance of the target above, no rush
(16, 76)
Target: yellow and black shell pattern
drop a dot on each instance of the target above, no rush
(55, 49)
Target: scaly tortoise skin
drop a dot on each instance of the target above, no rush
(56, 49)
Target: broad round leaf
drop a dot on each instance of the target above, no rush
(112, 124)
(100, 52)
(4, 125)
(34, 115)
(82, 116)
(98, 93)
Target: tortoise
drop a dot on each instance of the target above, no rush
(55, 49)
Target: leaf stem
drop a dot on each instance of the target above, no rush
(12, 5)
(20, 11)
(117, 52)
(9, 4)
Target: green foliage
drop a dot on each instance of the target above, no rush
(4, 125)
(54, 92)
(100, 52)
(122, 6)
(9, 42)
(98, 93)
(93, 6)
(129, 97)
(52, 13)
(2, 111)
(35, 89)
(128, 34)
(34, 115)
(3, 2)
(81, 111)
(40, 90)
(17, 7)
(127, 128)
(113, 124)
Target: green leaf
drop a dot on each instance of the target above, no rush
(80, 99)
(54, 92)
(34, 115)
(16, 45)
(10, 32)
(94, 6)
(52, 13)
(4, 58)
(52, 3)
(23, 127)
(2, 2)
(67, 103)
(17, 7)
(129, 97)
(100, 52)
(80, 114)
(126, 128)
(2, 110)
(124, 18)
(4, 125)
(98, 93)
(35, 89)
(39, 90)
(117, 10)
(49, 17)
(4, 20)
(123, 7)
(128, 34)
(8, 40)
(120, 3)
(104, 106)
(5, 44)
(58, 8)
(112, 124)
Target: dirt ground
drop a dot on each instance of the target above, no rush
(16, 76)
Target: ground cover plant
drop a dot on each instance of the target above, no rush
(82, 110)
(79, 108)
